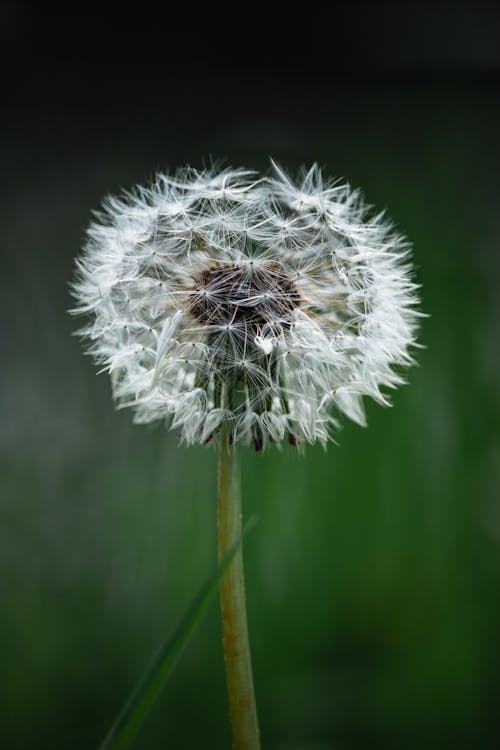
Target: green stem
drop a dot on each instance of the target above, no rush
(234, 618)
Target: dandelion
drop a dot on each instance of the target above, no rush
(246, 309)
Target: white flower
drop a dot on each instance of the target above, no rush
(270, 304)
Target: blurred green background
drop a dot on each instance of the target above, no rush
(373, 576)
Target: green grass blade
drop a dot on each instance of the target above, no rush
(129, 720)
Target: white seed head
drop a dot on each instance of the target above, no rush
(269, 304)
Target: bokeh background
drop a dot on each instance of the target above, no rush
(374, 573)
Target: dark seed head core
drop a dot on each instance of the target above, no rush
(255, 296)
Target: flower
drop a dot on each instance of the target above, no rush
(267, 304)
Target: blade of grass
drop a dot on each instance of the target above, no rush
(135, 710)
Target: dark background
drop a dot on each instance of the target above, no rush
(374, 573)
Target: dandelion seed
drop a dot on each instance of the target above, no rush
(265, 304)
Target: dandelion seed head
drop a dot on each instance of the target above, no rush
(271, 304)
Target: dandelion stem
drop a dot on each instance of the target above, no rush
(234, 618)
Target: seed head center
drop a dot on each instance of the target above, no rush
(247, 296)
